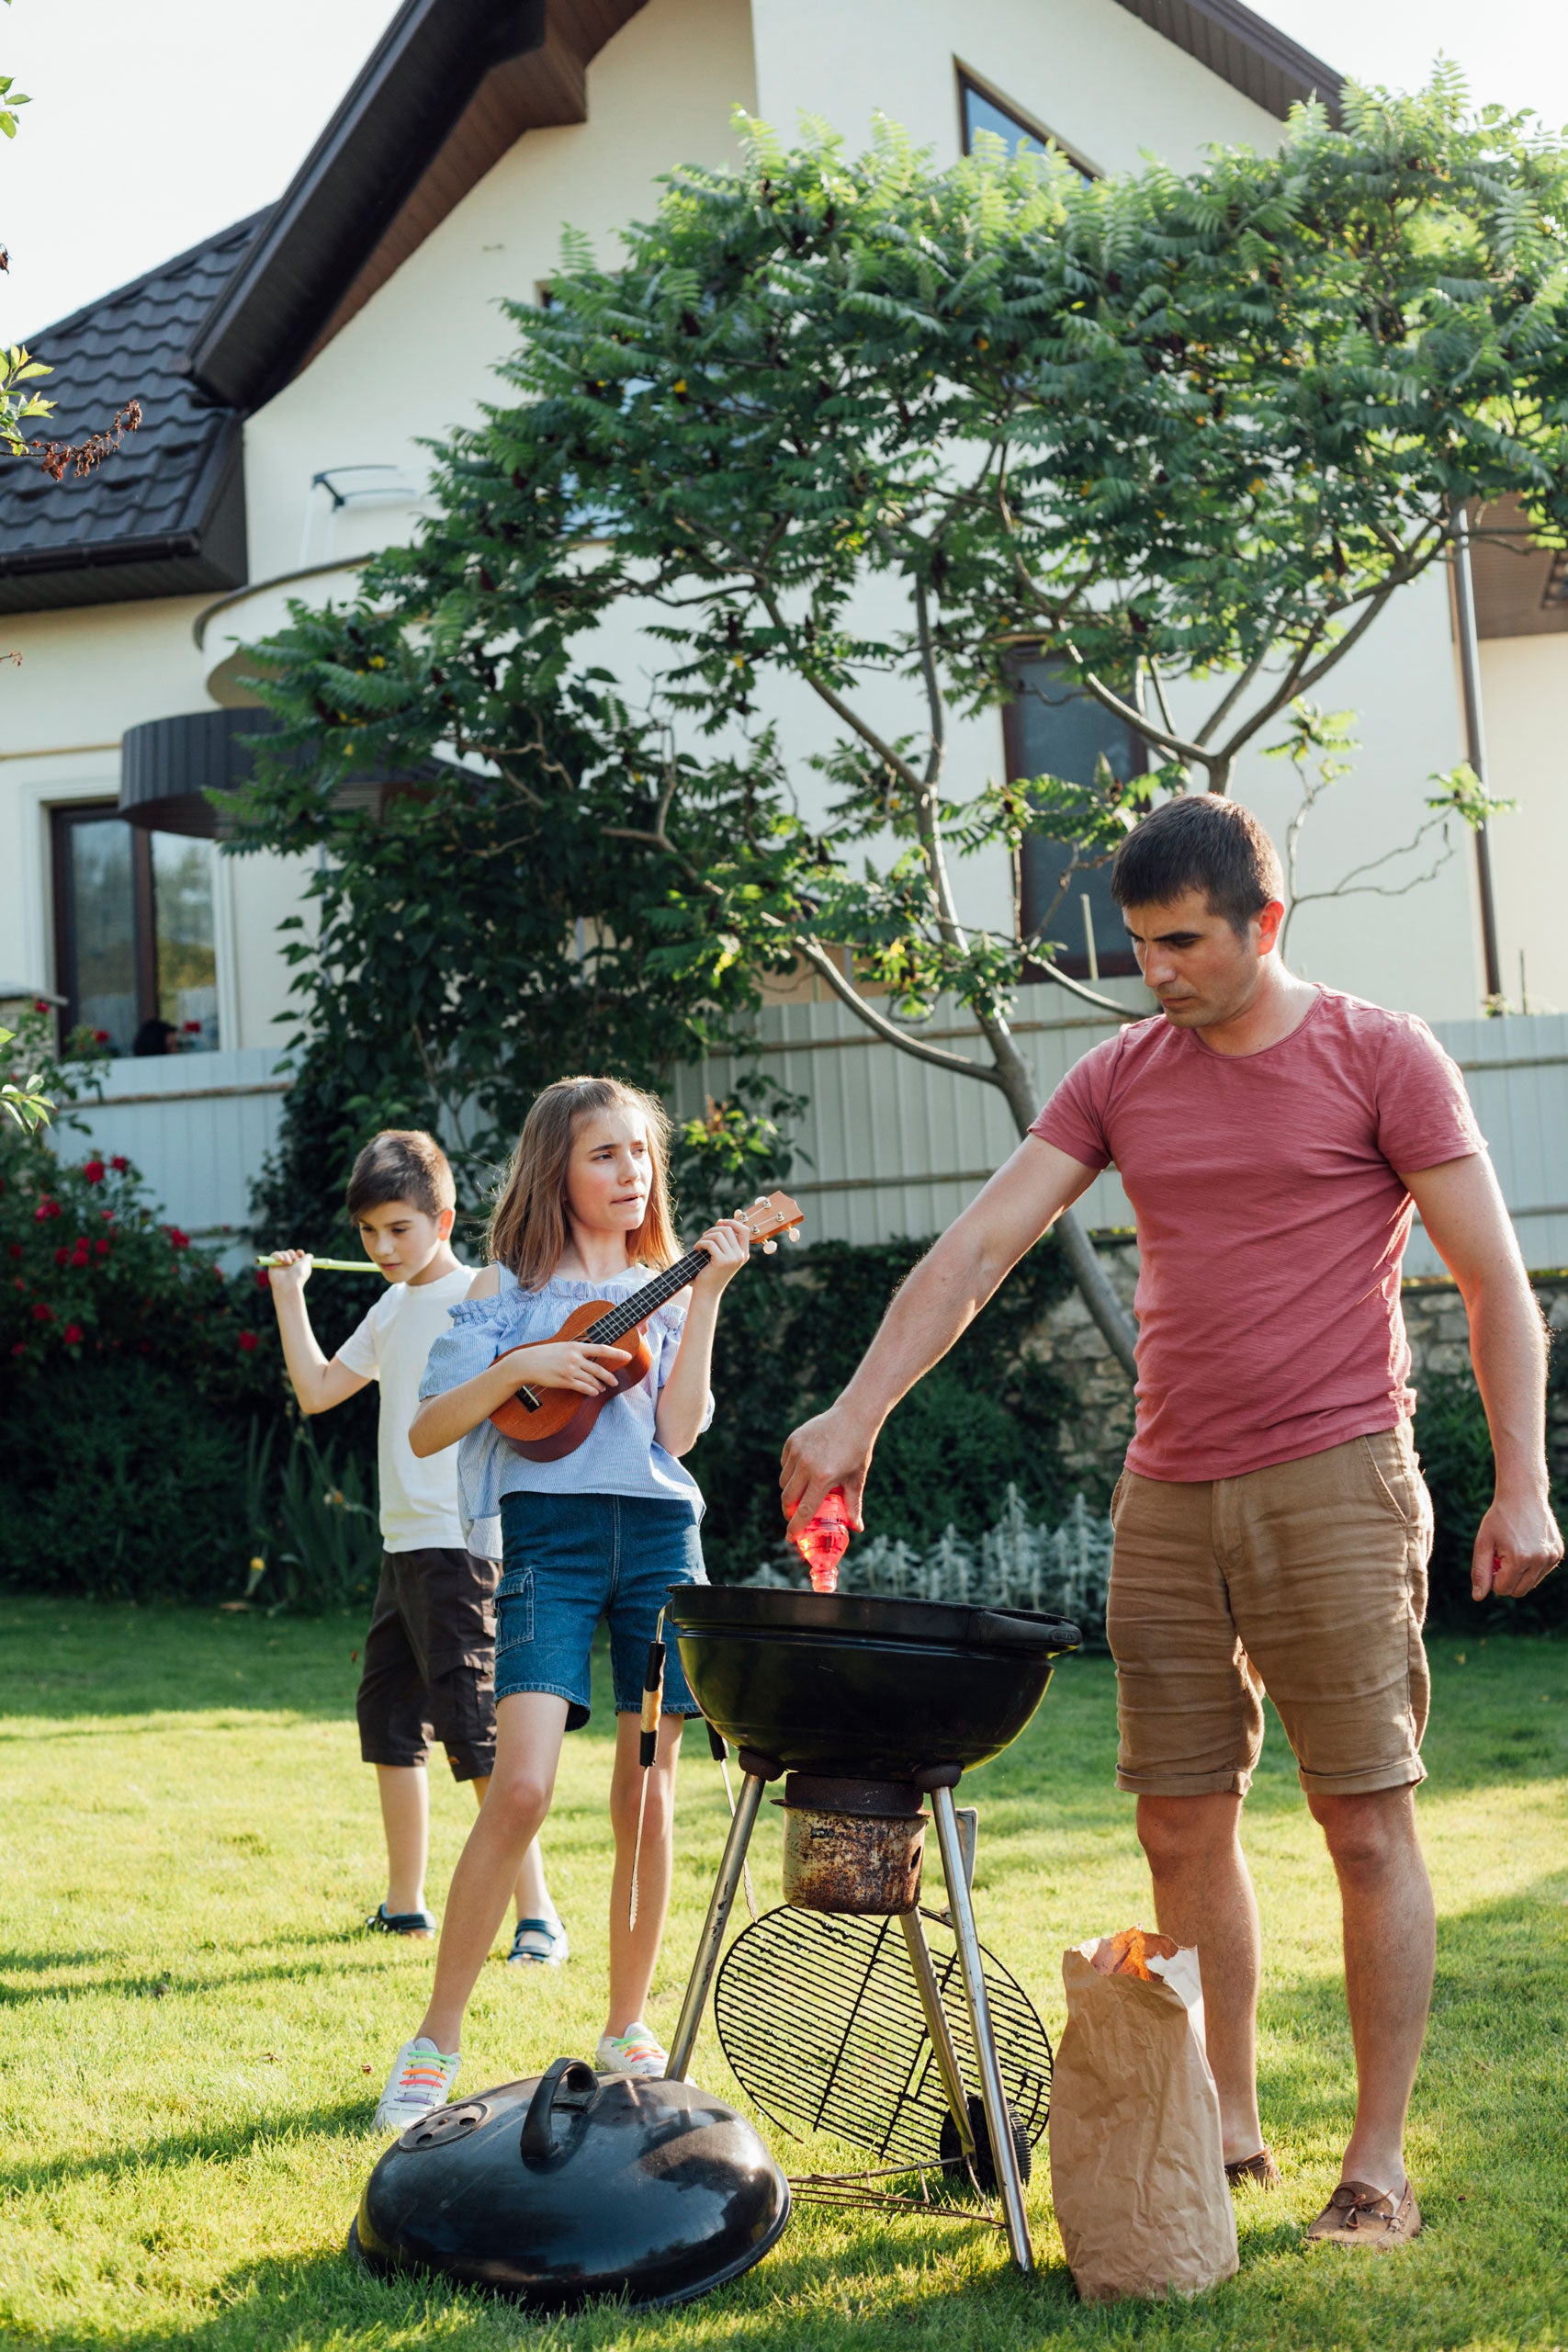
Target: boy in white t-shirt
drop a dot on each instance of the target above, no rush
(429, 1670)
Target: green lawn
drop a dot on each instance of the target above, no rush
(194, 2032)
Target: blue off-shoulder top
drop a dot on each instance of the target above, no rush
(620, 1455)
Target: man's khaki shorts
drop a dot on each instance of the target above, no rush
(1307, 1580)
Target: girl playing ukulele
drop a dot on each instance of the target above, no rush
(602, 1531)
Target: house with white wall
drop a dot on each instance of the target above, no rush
(290, 372)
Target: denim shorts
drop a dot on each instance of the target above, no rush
(569, 1560)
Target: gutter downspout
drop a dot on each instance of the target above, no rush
(1475, 741)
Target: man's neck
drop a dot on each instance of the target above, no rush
(1278, 1004)
(444, 1262)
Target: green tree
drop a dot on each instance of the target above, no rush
(874, 431)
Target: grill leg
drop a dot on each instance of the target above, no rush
(946, 2056)
(998, 2122)
(720, 1904)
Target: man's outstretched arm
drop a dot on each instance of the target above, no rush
(1468, 1225)
(937, 1303)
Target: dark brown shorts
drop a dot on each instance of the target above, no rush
(1307, 1580)
(429, 1671)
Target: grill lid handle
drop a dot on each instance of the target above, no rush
(570, 2082)
(1015, 1629)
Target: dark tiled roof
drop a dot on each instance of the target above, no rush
(165, 515)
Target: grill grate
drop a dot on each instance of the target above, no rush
(820, 2018)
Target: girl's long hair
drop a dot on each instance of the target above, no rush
(529, 1228)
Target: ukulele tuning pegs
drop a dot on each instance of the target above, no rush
(793, 1234)
(769, 1248)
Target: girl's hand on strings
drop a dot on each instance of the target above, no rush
(569, 1364)
(729, 1246)
(290, 1272)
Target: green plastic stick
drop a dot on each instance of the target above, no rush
(333, 1265)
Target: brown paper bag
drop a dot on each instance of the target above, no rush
(1137, 2163)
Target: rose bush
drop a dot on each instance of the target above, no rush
(132, 1370)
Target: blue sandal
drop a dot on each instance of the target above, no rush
(538, 1943)
(420, 1925)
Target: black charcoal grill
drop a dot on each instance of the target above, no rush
(866, 1706)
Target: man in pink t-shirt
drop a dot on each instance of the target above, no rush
(1272, 1527)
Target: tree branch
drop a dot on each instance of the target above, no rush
(817, 957)
(1076, 988)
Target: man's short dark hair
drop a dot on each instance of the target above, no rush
(1199, 842)
(401, 1164)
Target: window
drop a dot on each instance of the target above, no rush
(1055, 728)
(980, 108)
(133, 932)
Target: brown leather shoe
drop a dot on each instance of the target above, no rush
(1358, 2215)
(1261, 2170)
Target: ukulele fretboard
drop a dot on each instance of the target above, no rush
(647, 1301)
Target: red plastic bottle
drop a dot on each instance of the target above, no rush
(824, 1540)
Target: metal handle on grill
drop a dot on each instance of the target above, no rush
(1010, 1629)
(570, 2082)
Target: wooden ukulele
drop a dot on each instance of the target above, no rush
(545, 1424)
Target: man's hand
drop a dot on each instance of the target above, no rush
(1517, 1545)
(822, 1454)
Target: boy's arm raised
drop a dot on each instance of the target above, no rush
(317, 1384)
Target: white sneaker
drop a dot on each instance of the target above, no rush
(633, 2053)
(420, 2082)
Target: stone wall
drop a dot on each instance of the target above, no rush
(1095, 1433)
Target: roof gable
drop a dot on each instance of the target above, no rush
(450, 86)
(1243, 49)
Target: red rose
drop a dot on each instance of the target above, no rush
(119, 1163)
(15, 1249)
(219, 1274)
(191, 1028)
(263, 1279)
(19, 1347)
(247, 1341)
(80, 1258)
(40, 1005)
(177, 1241)
(19, 1283)
(100, 1248)
(93, 1171)
(71, 1335)
(42, 1314)
(45, 1210)
(108, 1215)
(100, 1037)
(62, 1256)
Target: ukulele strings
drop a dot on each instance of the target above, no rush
(642, 1302)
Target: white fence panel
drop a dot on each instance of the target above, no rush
(1516, 1071)
(887, 1145)
(197, 1127)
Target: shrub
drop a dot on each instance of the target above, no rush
(313, 1526)
(1018, 1562)
(131, 1372)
